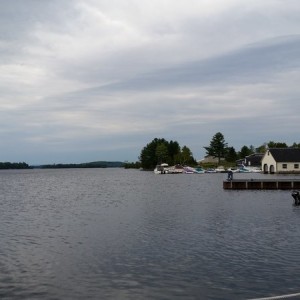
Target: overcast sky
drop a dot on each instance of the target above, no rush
(88, 80)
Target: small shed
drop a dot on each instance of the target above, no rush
(281, 161)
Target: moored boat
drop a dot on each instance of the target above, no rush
(161, 169)
(220, 169)
(211, 170)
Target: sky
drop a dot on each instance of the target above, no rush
(91, 80)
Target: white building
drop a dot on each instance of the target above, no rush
(281, 160)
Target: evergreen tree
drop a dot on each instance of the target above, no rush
(217, 147)
(161, 152)
(174, 150)
(187, 156)
(245, 151)
(262, 148)
(231, 155)
(272, 144)
(148, 155)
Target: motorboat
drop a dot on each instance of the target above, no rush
(220, 169)
(210, 170)
(190, 170)
(249, 169)
(177, 169)
(161, 169)
(244, 170)
(233, 170)
(199, 170)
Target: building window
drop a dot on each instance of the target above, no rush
(296, 166)
(284, 166)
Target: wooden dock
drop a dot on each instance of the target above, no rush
(262, 184)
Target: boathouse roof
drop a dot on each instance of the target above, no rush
(254, 159)
(285, 154)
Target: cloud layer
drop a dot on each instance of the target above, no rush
(97, 80)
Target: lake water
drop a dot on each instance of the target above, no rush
(128, 234)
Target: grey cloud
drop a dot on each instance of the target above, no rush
(249, 64)
(254, 63)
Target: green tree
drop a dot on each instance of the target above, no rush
(245, 151)
(262, 148)
(174, 150)
(295, 145)
(231, 155)
(148, 156)
(161, 152)
(217, 147)
(272, 144)
(252, 149)
(187, 156)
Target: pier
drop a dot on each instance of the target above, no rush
(261, 184)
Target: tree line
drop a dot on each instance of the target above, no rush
(160, 151)
(9, 165)
(96, 164)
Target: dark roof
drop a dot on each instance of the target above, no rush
(285, 154)
(251, 160)
(254, 159)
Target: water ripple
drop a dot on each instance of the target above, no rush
(125, 234)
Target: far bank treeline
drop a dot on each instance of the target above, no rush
(96, 164)
(16, 165)
(160, 150)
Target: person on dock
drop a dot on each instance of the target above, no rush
(230, 175)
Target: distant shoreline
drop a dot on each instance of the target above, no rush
(97, 164)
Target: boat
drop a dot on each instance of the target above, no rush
(220, 169)
(244, 170)
(210, 170)
(161, 169)
(249, 169)
(199, 170)
(189, 170)
(177, 169)
(254, 169)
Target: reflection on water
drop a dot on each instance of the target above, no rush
(126, 234)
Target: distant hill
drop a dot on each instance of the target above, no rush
(94, 164)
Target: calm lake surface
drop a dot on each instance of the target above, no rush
(128, 234)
